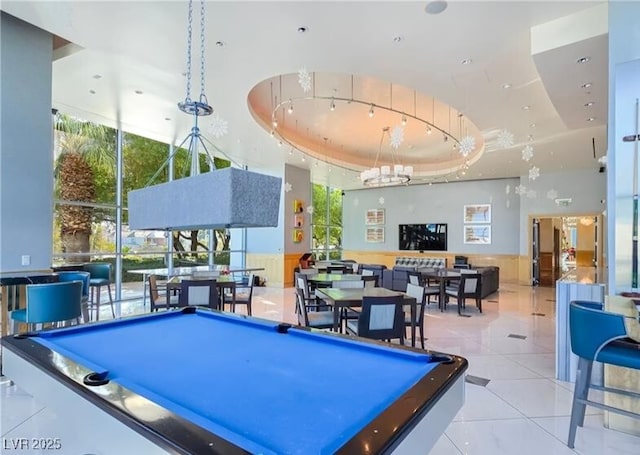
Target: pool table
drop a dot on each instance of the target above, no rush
(199, 381)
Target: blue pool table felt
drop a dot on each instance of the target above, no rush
(265, 391)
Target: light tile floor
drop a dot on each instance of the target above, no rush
(522, 409)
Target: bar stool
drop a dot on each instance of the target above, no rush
(100, 276)
(48, 303)
(83, 277)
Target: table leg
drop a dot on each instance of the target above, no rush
(336, 317)
(413, 324)
(441, 302)
(145, 277)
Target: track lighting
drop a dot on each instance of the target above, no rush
(371, 113)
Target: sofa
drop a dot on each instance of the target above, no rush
(489, 280)
(397, 278)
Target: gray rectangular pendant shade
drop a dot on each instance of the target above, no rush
(225, 198)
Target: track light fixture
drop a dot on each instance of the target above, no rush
(371, 113)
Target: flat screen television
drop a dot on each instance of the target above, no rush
(423, 237)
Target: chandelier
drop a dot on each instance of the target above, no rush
(385, 175)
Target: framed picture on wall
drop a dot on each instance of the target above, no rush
(477, 213)
(374, 217)
(298, 206)
(298, 235)
(477, 234)
(374, 235)
(298, 220)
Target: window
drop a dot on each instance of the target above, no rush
(326, 223)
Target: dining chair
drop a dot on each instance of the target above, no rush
(83, 277)
(199, 293)
(100, 276)
(468, 288)
(415, 278)
(244, 294)
(370, 281)
(335, 270)
(310, 298)
(157, 300)
(599, 336)
(367, 272)
(50, 303)
(417, 292)
(315, 319)
(381, 318)
(347, 314)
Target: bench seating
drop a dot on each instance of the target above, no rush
(419, 263)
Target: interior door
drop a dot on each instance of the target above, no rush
(535, 252)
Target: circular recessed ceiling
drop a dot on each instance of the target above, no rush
(342, 119)
(436, 7)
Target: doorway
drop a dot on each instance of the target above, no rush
(560, 244)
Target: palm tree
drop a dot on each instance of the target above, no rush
(84, 147)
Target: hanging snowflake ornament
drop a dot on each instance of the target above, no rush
(310, 210)
(397, 136)
(219, 126)
(552, 194)
(304, 79)
(467, 145)
(534, 173)
(521, 190)
(603, 160)
(527, 153)
(507, 189)
(287, 187)
(505, 139)
(531, 194)
(381, 200)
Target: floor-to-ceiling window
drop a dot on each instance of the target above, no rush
(86, 201)
(326, 224)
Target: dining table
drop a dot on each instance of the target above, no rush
(442, 276)
(223, 283)
(325, 279)
(352, 298)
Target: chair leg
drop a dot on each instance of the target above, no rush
(580, 392)
(249, 307)
(422, 334)
(479, 304)
(113, 313)
(96, 303)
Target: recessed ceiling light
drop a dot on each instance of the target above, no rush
(397, 38)
(506, 86)
(466, 61)
(220, 43)
(526, 107)
(302, 29)
(139, 92)
(583, 59)
(591, 119)
(588, 104)
(97, 76)
(93, 92)
(586, 85)
(436, 7)
(167, 119)
(532, 125)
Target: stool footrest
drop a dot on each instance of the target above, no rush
(597, 404)
(627, 393)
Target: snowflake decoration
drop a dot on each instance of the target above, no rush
(521, 190)
(310, 210)
(603, 160)
(507, 189)
(531, 194)
(505, 139)
(467, 145)
(397, 136)
(534, 173)
(287, 187)
(552, 194)
(304, 79)
(219, 126)
(381, 200)
(527, 153)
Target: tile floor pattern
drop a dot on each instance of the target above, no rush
(521, 410)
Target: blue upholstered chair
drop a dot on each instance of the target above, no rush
(100, 276)
(599, 336)
(49, 303)
(83, 277)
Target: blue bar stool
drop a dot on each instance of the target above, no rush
(599, 336)
(84, 278)
(100, 276)
(49, 303)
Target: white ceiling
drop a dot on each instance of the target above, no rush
(141, 46)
